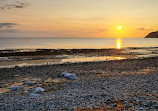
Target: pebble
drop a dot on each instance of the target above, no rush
(88, 93)
(156, 107)
(33, 95)
(141, 108)
(38, 85)
(17, 75)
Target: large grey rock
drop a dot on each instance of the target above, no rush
(69, 75)
(38, 90)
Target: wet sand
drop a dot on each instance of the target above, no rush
(35, 52)
(11, 58)
(121, 84)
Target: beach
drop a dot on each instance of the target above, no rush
(78, 55)
(129, 84)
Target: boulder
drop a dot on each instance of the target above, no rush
(69, 75)
(38, 90)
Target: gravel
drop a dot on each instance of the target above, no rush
(93, 90)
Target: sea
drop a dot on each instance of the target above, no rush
(104, 49)
(75, 43)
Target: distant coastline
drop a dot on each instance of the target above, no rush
(152, 35)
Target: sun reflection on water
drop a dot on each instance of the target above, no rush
(118, 43)
(119, 58)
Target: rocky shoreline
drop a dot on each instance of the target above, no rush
(111, 85)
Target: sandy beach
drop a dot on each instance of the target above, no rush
(129, 84)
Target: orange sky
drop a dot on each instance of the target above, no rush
(77, 18)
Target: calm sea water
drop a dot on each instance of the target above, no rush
(93, 43)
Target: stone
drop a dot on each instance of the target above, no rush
(38, 85)
(17, 75)
(125, 102)
(38, 90)
(156, 107)
(69, 75)
(127, 106)
(109, 101)
(28, 83)
(25, 91)
(14, 88)
(141, 108)
(33, 95)
(150, 103)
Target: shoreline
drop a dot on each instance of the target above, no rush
(56, 56)
(35, 52)
(109, 65)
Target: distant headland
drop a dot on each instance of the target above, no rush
(152, 35)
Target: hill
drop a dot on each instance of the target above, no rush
(152, 35)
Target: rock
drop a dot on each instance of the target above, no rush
(38, 85)
(38, 90)
(33, 95)
(127, 106)
(104, 95)
(141, 108)
(17, 75)
(125, 102)
(152, 35)
(25, 91)
(156, 107)
(28, 83)
(150, 103)
(109, 101)
(14, 88)
(69, 75)
(16, 66)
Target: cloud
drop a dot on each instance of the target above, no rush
(144, 29)
(8, 31)
(102, 30)
(141, 28)
(4, 26)
(5, 4)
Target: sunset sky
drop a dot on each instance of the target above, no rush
(77, 18)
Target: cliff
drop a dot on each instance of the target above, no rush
(152, 35)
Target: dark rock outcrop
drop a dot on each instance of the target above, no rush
(152, 35)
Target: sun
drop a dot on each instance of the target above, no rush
(119, 27)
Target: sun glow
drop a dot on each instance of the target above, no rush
(118, 43)
(119, 27)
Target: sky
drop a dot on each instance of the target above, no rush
(77, 18)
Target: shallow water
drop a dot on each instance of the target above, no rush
(129, 53)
